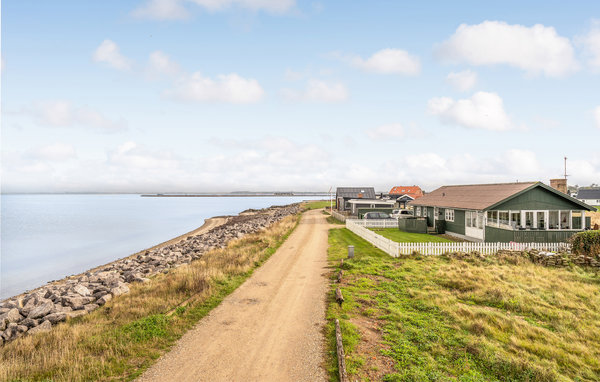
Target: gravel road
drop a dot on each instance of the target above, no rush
(270, 328)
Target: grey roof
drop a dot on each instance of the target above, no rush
(353, 192)
(588, 193)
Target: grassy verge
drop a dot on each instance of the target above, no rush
(405, 237)
(332, 220)
(442, 319)
(315, 205)
(123, 338)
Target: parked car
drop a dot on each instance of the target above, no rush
(376, 215)
(401, 214)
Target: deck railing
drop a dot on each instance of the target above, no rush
(396, 249)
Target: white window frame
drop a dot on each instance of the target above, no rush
(418, 211)
(449, 215)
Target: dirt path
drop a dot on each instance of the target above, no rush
(270, 328)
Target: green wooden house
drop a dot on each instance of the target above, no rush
(530, 212)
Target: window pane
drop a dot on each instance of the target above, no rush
(553, 220)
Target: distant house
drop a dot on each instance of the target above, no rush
(504, 212)
(370, 204)
(343, 195)
(405, 194)
(589, 196)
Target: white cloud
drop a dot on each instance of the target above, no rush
(591, 45)
(318, 91)
(536, 49)
(225, 88)
(462, 81)
(482, 111)
(386, 132)
(108, 53)
(160, 63)
(597, 116)
(57, 152)
(388, 61)
(521, 162)
(133, 156)
(273, 6)
(161, 10)
(62, 113)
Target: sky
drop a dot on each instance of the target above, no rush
(257, 95)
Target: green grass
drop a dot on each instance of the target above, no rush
(405, 237)
(317, 204)
(502, 318)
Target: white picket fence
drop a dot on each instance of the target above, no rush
(376, 223)
(396, 249)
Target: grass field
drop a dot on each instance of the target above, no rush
(120, 340)
(442, 319)
(315, 205)
(405, 237)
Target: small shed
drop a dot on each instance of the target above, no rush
(344, 194)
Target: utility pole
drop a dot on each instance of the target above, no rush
(566, 168)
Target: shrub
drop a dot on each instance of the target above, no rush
(586, 243)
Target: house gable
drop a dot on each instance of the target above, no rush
(540, 197)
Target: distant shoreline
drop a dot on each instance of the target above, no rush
(227, 195)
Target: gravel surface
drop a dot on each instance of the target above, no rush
(270, 328)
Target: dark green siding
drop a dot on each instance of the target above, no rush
(493, 234)
(538, 199)
(458, 225)
(418, 225)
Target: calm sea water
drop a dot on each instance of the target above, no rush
(48, 237)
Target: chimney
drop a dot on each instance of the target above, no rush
(559, 184)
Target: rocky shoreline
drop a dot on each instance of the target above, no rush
(38, 310)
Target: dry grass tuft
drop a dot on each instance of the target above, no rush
(120, 340)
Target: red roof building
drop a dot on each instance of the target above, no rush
(414, 192)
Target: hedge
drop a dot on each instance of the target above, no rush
(586, 243)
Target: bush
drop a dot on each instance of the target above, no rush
(586, 243)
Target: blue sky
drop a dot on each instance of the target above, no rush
(223, 95)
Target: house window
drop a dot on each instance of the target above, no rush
(418, 211)
(492, 217)
(503, 217)
(425, 211)
(474, 219)
(565, 221)
(515, 218)
(470, 221)
(553, 220)
(449, 215)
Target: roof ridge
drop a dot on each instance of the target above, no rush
(489, 184)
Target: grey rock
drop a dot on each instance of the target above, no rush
(55, 318)
(29, 322)
(82, 290)
(119, 290)
(58, 308)
(91, 307)
(22, 329)
(43, 327)
(76, 313)
(104, 299)
(76, 301)
(42, 310)
(12, 315)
